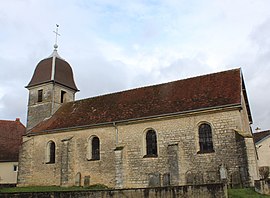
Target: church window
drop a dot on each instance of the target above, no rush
(151, 143)
(95, 148)
(40, 95)
(50, 153)
(205, 138)
(63, 96)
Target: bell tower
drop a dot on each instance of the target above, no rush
(51, 86)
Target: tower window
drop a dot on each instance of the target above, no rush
(63, 96)
(40, 95)
(151, 144)
(205, 138)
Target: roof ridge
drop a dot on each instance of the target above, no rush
(8, 121)
(156, 85)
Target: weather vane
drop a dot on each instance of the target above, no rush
(56, 34)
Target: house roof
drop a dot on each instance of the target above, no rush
(259, 136)
(202, 92)
(11, 133)
(53, 69)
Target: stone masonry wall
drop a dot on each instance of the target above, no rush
(25, 160)
(250, 151)
(202, 168)
(181, 132)
(37, 111)
(202, 191)
(100, 171)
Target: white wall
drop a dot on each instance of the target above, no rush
(7, 173)
(263, 150)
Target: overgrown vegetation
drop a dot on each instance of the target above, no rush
(52, 188)
(245, 193)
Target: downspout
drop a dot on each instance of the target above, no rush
(116, 133)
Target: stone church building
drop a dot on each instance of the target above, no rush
(191, 131)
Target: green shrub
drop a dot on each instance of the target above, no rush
(97, 187)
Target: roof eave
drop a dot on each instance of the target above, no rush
(261, 140)
(243, 87)
(52, 81)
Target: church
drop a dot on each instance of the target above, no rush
(186, 132)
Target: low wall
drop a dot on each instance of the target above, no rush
(7, 185)
(202, 191)
(262, 186)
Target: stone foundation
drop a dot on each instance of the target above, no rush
(202, 191)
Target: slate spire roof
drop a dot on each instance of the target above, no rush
(11, 133)
(53, 69)
(193, 94)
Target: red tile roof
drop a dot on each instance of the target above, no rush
(11, 133)
(258, 136)
(202, 92)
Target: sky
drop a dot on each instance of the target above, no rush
(119, 45)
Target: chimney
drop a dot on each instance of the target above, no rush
(17, 120)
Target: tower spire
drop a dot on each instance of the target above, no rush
(55, 54)
(56, 34)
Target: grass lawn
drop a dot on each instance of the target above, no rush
(233, 193)
(51, 188)
(245, 193)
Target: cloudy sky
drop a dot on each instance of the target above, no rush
(118, 45)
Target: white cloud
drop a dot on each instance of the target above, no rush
(115, 45)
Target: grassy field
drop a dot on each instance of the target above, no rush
(245, 193)
(51, 188)
(233, 193)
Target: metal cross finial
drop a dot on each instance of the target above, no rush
(56, 34)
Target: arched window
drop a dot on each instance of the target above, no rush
(151, 143)
(205, 138)
(50, 153)
(95, 148)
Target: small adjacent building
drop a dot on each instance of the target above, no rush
(11, 133)
(262, 142)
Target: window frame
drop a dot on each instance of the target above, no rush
(95, 154)
(205, 138)
(92, 155)
(51, 152)
(150, 148)
(40, 95)
(63, 95)
(15, 168)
